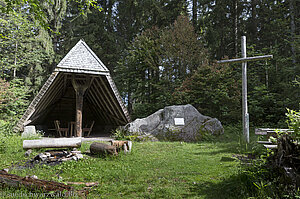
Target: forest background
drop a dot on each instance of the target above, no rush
(159, 52)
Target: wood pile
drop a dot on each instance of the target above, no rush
(286, 158)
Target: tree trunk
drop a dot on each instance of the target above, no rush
(103, 149)
(194, 17)
(15, 64)
(254, 23)
(32, 183)
(236, 28)
(52, 143)
(293, 30)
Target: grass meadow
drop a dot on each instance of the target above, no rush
(152, 170)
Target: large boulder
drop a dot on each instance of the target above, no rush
(180, 123)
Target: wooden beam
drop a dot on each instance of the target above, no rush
(104, 98)
(100, 103)
(109, 98)
(98, 107)
(245, 59)
(115, 101)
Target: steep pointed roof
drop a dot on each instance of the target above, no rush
(102, 99)
(81, 59)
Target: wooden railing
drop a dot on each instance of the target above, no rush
(268, 132)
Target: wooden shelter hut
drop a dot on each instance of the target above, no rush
(78, 95)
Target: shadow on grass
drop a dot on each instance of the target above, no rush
(232, 187)
(220, 148)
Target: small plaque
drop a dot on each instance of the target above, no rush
(179, 121)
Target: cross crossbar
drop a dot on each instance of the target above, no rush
(246, 59)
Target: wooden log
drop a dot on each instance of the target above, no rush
(31, 183)
(264, 142)
(265, 131)
(52, 143)
(245, 59)
(103, 149)
(122, 145)
(270, 146)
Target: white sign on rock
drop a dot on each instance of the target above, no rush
(179, 121)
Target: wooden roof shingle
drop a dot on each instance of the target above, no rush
(81, 59)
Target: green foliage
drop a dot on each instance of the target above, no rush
(262, 181)
(157, 62)
(24, 50)
(264, 106)
(13, 99)
(213, 90)
(120, 134)
(36, 8)
(294, 123)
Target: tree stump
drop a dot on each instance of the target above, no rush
(103, 149)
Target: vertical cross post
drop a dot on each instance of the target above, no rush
(244, 91)
(244, 61)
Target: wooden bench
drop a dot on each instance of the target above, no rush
(270, 132)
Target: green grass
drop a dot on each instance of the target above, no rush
(151, 170)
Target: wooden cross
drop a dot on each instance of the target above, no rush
(244, 61)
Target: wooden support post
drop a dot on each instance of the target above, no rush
(80, 90)
(244, 88)
(79, 105)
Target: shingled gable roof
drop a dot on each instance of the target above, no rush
(102, 95)
(81, 59)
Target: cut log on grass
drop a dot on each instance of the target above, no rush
(52, 143)
(102, 149)
(32, 183)
(122, 145)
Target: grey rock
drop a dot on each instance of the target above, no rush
(67, 159)
(75, 152)
(213, 126)
(29, 131)
(177, 123)
(42, 157)
(6, 170)
(34, 177)
(79, 156)
(28, 152)
(48, 154)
